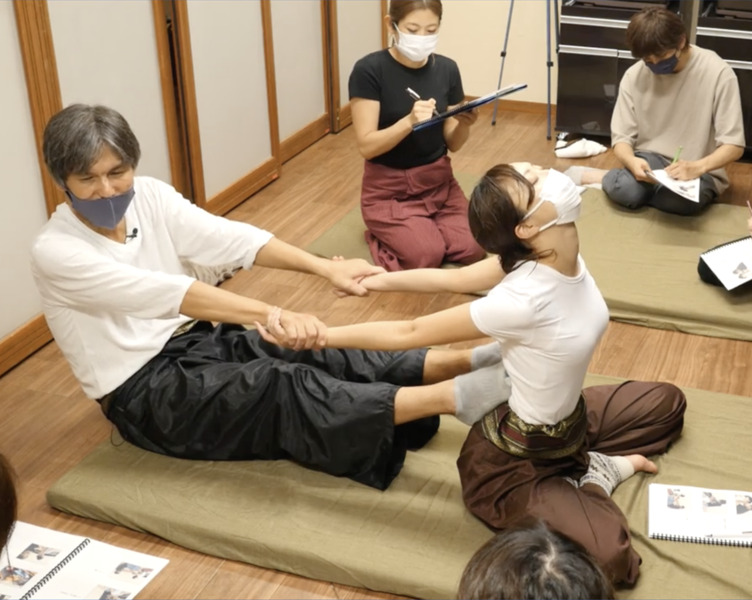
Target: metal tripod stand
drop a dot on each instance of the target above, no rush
(549, 63)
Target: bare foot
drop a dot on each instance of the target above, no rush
(640, 463)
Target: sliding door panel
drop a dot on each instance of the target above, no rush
(106, 53)
(230, 76)
(300, 73)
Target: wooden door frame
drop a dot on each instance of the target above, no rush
(43, 88)
(176, 73)
(42, 82)
(186, 108)
(177, 142)
(341, 116)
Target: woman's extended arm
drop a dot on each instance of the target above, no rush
(444, 327)
(477, 277)
(373, 141)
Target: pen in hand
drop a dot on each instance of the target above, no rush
(677, 155)
(415, 96)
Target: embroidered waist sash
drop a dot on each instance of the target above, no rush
(510, 433)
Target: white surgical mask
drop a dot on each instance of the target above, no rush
(561, 191)
(416, 48)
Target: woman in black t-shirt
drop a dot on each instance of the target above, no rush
(415, 210)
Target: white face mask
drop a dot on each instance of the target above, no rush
(416, 48)
(561, 191)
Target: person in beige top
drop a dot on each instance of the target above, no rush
(678, 109)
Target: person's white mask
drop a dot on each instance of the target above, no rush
(561, 191)
(416, 47)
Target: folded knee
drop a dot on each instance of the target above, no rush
(672, 398)
(423, 257)
(623, 189)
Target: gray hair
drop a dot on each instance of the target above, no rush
(75, 137)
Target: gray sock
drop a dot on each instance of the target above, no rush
(485, 356)
(478, 392)
(607, 471)
(575, 173)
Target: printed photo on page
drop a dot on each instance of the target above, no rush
(704, 515)
(689, 189)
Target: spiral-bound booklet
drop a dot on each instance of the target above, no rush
(731, 262)
(684, 513)
(44, 563)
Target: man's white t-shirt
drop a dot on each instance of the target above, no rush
(112, 307)
(548, 326)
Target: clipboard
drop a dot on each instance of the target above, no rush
(470, 105)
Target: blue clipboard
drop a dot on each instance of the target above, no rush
(470, 105)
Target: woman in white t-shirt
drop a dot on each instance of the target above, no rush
(542, 451)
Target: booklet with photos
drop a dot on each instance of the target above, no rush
(685, 513)
(44, 563)
(731, 263)
(470, 105)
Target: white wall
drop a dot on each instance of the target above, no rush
(298, 64)
(106, 53)
(358, 33)
(227, 44)
(472, 33)
(23, 210)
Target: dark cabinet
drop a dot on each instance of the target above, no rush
(592, 59)
(727, 30)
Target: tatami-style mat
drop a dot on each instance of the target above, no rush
(412, 539)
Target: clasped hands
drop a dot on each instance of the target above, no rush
(289, 329)
(301, 331)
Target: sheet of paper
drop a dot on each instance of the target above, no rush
(689, 189)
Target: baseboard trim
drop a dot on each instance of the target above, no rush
(23, 342)
(304, 138)
(536, 108)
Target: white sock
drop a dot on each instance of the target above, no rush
(485, 356)
(575, 173)
(607, 471)
(478, 392)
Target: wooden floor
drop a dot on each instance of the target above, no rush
(50, 425)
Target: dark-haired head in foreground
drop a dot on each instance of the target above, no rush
(533, 562)
(7, 500)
